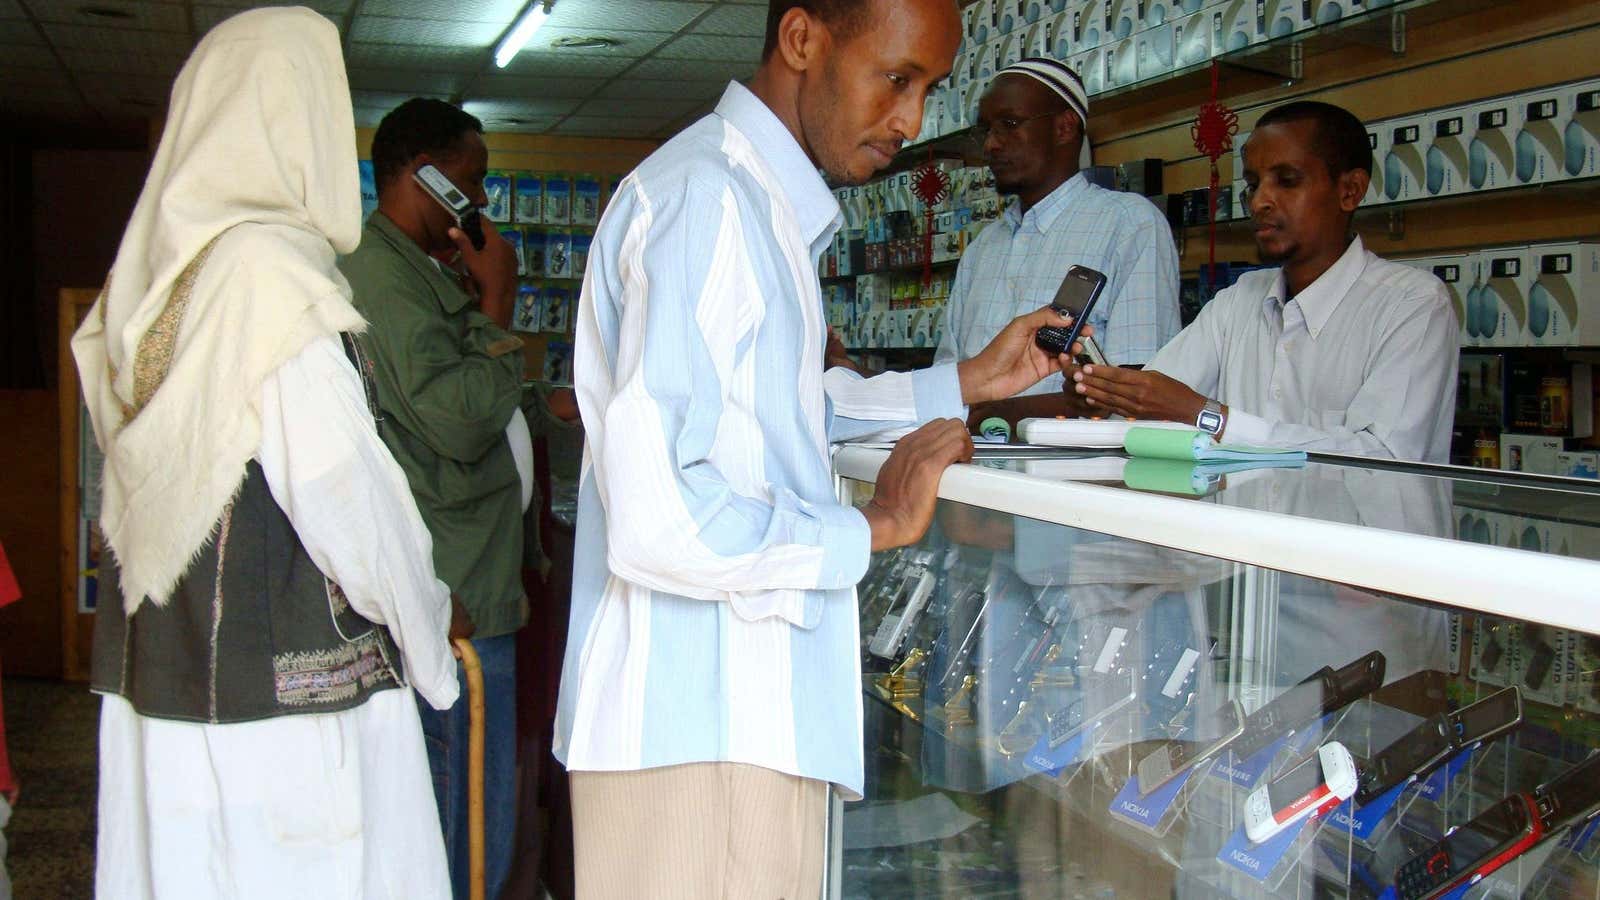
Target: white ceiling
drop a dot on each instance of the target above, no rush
(62, 63)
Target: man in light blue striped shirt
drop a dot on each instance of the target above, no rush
(711, 687)
(1033, 120)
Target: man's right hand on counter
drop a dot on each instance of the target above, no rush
(908, 483)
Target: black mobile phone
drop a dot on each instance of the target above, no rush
(1500, 834)
(1490, 717)
(1076, 297)
(1322, 693)
(1173, 758)
(1437, 739)
(454, 200)
(1418, 751)
(1571, 797)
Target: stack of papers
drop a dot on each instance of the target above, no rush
(1090, 434)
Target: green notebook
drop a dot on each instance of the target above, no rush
(1197, 446)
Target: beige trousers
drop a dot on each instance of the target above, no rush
(698, 832)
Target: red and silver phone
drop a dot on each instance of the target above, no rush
(1319, 783)
(1076, 297)
(454, 200)
(1469, 852)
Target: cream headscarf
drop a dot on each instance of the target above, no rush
(225, 272)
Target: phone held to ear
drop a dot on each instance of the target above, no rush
(454, 200)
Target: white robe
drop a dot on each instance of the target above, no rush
(323, 805)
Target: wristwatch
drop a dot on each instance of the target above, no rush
(1211, 419)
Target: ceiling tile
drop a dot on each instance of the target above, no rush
(391, 30)
(500, 11)
(714, 46)
(326, 7)
(405, 81)
(19, 31)
(144, 15)
(541, 108)
(209, 17)
(692, 69)
(651, 109)
(116, 40)
(628, 43)
(608, 126)
(640, 15)
(563, 64)
(29, 79)
(29, 55)
(384, 100)
(744, 20)
(501, 85)
(408, 56)
(645, 88)
(86, 61)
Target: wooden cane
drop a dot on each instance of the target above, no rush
(475, 716)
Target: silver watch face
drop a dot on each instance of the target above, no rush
(1210, 421)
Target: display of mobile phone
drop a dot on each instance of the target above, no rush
(1076, 297)
(1468, 853)
(904, 611)
(454, 200)
(1437, 739)
(1178, 756)
(963, 632)
(1419, 750)
(1322, 693)
(1540, 657)
(1103, 696)
(1489, 718)
(1571, 797)
(1316, 785)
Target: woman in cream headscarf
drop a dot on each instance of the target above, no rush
(257, 735)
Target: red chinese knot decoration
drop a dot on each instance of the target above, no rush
(1213, 131)
(931, 185)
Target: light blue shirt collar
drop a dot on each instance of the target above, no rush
(815, 207)
(1046, 211)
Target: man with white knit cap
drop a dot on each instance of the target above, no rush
(1032, 122)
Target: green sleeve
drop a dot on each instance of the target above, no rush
(455, 396)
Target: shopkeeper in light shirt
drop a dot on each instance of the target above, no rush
(1336, 350)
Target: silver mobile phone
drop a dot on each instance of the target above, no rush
(1176, 757)
(454, 200)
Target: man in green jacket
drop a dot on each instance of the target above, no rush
(448, 375)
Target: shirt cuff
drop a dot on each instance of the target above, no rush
(936, 391)
(1244, 428)
(846, 546)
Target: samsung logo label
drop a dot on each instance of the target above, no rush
(1246, 860)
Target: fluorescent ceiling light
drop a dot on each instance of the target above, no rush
(532, 18)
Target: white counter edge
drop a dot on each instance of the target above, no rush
(1553, 590)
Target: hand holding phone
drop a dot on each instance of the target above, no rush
(1075, 297)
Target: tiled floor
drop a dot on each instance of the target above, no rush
(50, 729)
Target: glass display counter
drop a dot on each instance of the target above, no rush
(1100, 677)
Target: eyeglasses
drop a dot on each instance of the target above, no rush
(1005, 128)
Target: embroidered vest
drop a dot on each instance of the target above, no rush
(253, 631)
